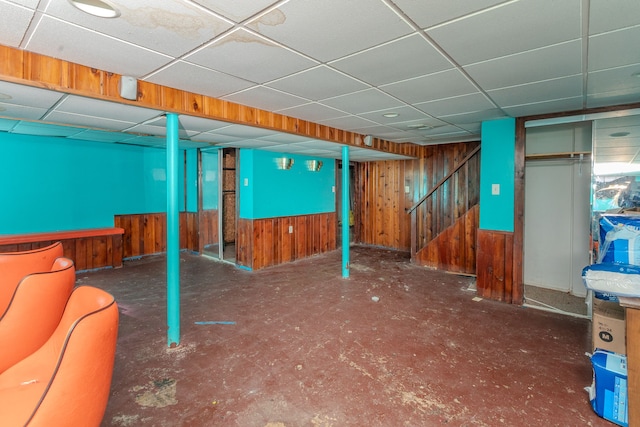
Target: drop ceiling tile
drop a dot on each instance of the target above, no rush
(173, 29)
(406, 58)
(31, 4)
(79, 45)
(7, 124)
(216, 138)
(244, 54)
(427, 13)
(566, 87)
(245, 132)
(318, 83)
(474, 117)
(335, 29)
(447, 106)
(236, 11)
(105, 109)
(15, 22)
(375, 130)
(41, 129)
(605, 99)
(100, 136)
(569, 104)
(562, 60)
(27, 96)
(87, 121)
(348, 122)
(363, 101)
(265, 98)
(203, 81)
(444, 84)
(247, 143)
(606, 16)
(288, 138)
(404, 114)
(313, 112)
(602, 56)
(484, 36)
(19, 112)
(622, 79)
(413, 125)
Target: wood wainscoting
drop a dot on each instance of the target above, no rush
(272, 241)
(495, 267)
(146, 234)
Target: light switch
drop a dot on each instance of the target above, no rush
(290, 229)
(495, 189)
(246, 182)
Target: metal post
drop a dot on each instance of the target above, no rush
(173, 236)
(345, 212)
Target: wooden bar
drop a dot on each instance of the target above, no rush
(89, 248)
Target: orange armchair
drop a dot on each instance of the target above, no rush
(67, 381)
(15, 265)
(34, 311)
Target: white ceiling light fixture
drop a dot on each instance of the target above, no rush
(391, 115)
(99, 8)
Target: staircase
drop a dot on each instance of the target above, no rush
(444, 222)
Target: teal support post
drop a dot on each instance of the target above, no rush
(345, 212)
(173, 236)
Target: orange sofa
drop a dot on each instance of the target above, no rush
(15, 265)
(34, 311)
(66, 382)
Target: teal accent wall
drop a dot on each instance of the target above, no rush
(267, 191)
(497, 166)
(210, 177)
(53, 184)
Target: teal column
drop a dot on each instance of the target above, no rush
(173, 236)
(345, 212)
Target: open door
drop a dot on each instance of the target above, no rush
(228, 205)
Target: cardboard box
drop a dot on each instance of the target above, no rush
(608, 326)
(609, 392)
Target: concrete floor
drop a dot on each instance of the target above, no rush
(309, 348)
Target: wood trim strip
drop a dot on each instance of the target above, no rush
(12, 239)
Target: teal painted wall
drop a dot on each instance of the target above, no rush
(497, 166)
(210, 179)
(267, 191)
(51, 184)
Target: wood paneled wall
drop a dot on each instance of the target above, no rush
(146, 234)
(86, 250)
(453, 250)
(266, 242)
(381, 199)
(51, 73)
(208, 228)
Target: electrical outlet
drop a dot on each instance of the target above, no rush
(290, 229)
(495, 189)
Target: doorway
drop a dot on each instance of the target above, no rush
(228, 204)
(557, 218)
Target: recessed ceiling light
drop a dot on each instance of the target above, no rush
(391, 115)
(619, 134)
(416, 126)
(98, 8)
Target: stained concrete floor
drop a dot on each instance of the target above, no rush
(309, 348)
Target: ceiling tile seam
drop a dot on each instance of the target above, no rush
(586, 16)
(469, 15)
(53, 108)
(543, 102)
(34, 23)
(442, 51)
(531, 83)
